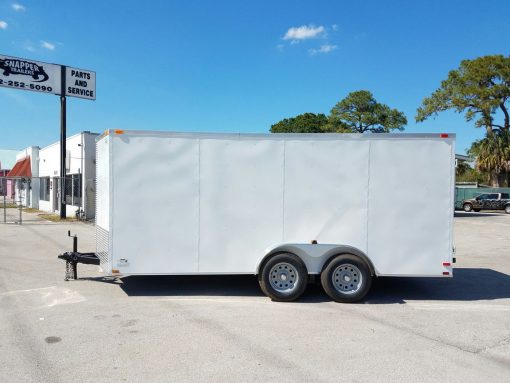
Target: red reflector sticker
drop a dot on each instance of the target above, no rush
(446, 273)
(446, 264)
(443, 135)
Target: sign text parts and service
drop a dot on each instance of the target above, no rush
(80, 83)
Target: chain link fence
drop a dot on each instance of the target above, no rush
(15, 195)
(26, 199)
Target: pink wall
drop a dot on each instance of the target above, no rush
(8, 185)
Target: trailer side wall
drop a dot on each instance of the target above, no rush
(185, 204)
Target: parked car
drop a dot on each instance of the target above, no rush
(488, 201)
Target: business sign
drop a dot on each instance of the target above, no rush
(80, 83)
(30, 75)
(46, 78)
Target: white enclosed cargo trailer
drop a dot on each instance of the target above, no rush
(282, 206)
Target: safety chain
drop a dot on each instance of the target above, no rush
(70, 270)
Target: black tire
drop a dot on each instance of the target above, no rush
(507, 209)
(283, 277)
(467, 207)
(346, 278)
(476, 210)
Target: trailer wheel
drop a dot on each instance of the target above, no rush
(346, 278)
(283, 277)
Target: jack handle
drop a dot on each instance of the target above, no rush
(75, 241)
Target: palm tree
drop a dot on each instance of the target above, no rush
(492, 155)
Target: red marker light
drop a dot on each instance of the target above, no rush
(447, 264)
(446, 273)
(443, 135)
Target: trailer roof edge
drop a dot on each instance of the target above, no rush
(279, 136)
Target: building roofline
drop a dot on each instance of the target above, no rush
(68, 138)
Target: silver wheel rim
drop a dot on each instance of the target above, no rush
(347, 279)
(467, 207)
(284, 277)
(507, 209)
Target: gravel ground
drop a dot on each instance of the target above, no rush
(221, 328)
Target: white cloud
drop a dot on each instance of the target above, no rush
(18, 7)
(304, 32)
(326, 48)
(47, 45)
(334, 27)
(3, 24)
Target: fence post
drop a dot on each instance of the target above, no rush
(20, 201)
(81, 194)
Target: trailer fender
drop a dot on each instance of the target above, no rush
(315, 256)
(344, 249)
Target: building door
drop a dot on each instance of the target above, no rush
(56, 194)
(28, 192)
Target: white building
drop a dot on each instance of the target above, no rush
(80, 176)
(460, 158)
(44, 190)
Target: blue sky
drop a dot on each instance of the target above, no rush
(236, 66)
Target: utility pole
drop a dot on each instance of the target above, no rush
(63, 144)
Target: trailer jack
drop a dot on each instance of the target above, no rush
(74, 257)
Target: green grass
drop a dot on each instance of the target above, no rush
(31, 210)
(8, 205)
(56, 218)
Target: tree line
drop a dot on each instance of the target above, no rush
(479, 88)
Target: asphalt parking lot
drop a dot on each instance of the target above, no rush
(221, 329)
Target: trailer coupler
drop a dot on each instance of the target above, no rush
(74, 257)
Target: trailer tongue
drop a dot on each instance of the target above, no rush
(74, 257)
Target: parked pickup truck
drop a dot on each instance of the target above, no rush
(488, 201)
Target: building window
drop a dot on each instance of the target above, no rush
(73, 190)
(77, 189)
(44, 191)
